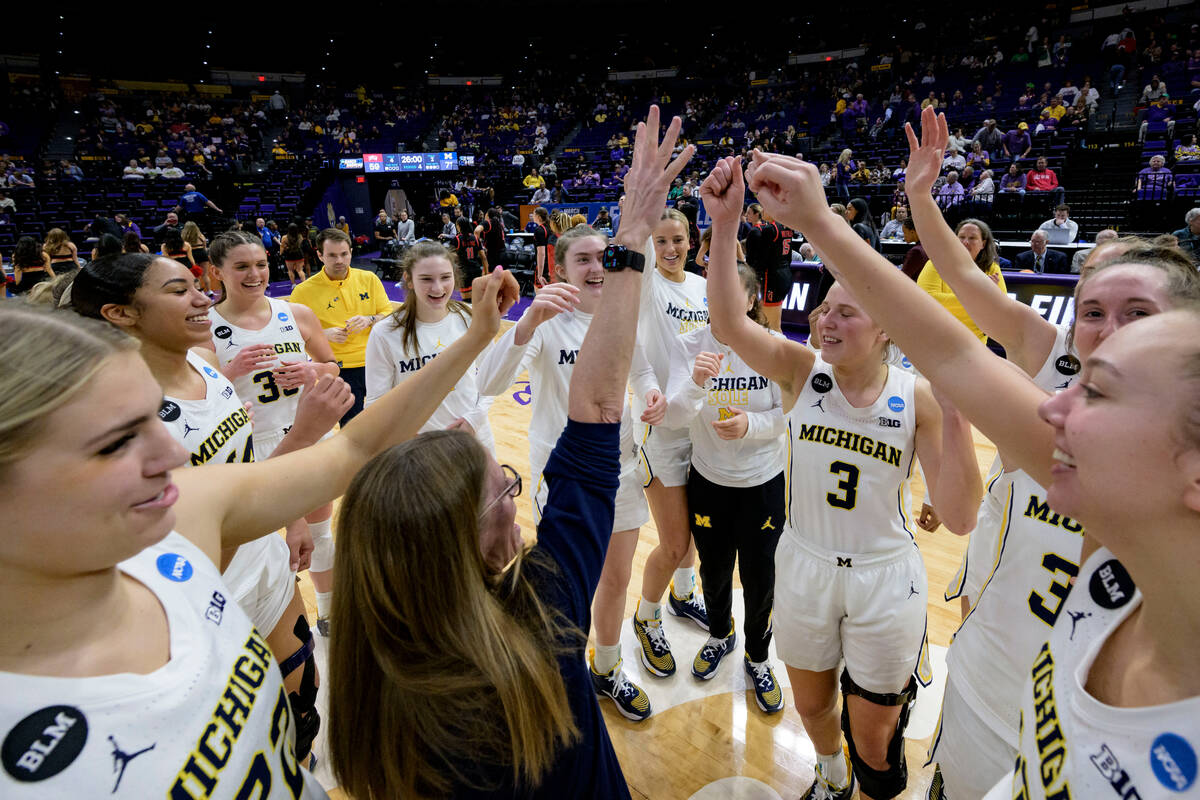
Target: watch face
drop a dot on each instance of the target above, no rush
(610, 255)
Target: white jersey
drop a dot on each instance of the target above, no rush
(549, 356)
(1036, 556)
(849, 469)
(214, 721)
(755, 458)
(274, 408)
(668, 310)
(390, 364)
(1071, 744)
(215, 429)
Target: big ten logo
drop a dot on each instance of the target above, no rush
(797, 299)
(1057, 309)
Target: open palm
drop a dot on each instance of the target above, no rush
(925, 157)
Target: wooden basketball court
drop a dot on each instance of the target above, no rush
(711, 736)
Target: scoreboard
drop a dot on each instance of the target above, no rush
(409, 162)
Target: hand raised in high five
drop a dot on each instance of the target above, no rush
(724, 191)
(492, 296)
(790, 190)
(925, 157)
(649, 178)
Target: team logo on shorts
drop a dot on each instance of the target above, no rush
(1110, 586)
(1067, 365)
(896, 403)
(169, 412)
(1173, 761)
(223, 332)
(174, 567)
(210, 372)
(283, 317)
(821, 383)
(44, 743)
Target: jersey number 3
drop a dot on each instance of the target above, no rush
(271, 391)
(848, 486)
(1038, 604)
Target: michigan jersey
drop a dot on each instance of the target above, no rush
(215, 429)
(850, 468)
(274, 408)
(1073, 745)
(213, 722)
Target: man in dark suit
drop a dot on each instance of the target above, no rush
(1039, 258)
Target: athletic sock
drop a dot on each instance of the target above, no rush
(648, 610)
(685, 582)
(605, 657)
(324, 599)
(832, 769)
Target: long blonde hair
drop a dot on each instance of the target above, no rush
(46, 358)
(191, 234)
(443, 671)
(56, 239)
(406, 315)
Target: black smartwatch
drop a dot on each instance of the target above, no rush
(617, 258)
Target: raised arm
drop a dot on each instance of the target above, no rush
(945, 351)
(1027, 338)
(947, 453)
(783, 361)
(598, 382)
(227, 505)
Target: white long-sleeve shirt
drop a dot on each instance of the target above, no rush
(759, 455)
(549, 356)
(390, 364)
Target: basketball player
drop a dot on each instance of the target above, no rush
(502, 705)
(270, 349)
(426, 323)
(125, 667)
(546, 342)
(673, 303)
(735, 489)
(470, 256)
(491, 233)
(852, 581)
(769, 252)
(159, 302)
(1085, 728)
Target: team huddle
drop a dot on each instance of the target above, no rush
(457, 651)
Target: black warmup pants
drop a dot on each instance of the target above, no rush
(357, 378)
(731, 523)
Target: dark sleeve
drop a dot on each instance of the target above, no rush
(539, 236)
(914, 262)
(582, 477)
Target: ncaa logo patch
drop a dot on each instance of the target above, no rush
(283, 317)
(1067, 365)
(821, 383)
(174, 567)
(896, 403)
(169, 412)
(1173, 761)
(222, 332)
(44, 743)
(210, 372)
(1110, 585)
(904, 362)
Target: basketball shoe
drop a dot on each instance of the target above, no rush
(704, 665)
(689, 607)
(629, 698)
(767, 693)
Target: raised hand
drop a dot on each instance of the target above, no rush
(925, 158)
(548, 302)
(789, 189)
(650, 174)
(723, 191)
(491, 297)
(707, 365)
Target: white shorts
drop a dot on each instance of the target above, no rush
(265, 443)
(630, 510)
(668, 461)
(870, 610)
(970, 755)
(262, 581)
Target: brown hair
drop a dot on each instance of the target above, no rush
(432, 686)
(750, 284)
(406, 315)
(987, 254)
(332, 235)
(567, 240)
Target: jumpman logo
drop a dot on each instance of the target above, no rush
(188, 428)
(121, 760)
(912, 589)
(230, 343)
(1064, 385)
(818, 404)
(767, 526)
(1076, 616)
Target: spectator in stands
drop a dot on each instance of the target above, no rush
(894, 228)
(951, 192)
(169, 224)
(7, 205)
(194, 203)
(978, 157)
(988, 137)
(953, 160)
(1155, 181)
(384, 231)
(1189, 234)
(858, 214)
(845, 168)
(1061, 229)
(448, 228)
(1051, 116)
(1154, 90)
(405, 235)
(967, 178)
(916, 257)
(173, 173)
(30, 265)
(1013, 181)
(957, 141)
(985, 190)
(603, 221)
(1039, 258)
(132, 243)
(1043, 179)
(1069, 92)
(133, 172)
(825, 173)
(1187, 149)
(1091, 97)
(126, 225)
(1157, 112)
(70, 171)
(518, 160)
(1082, 254)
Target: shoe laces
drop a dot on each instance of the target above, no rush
(657, 637)
(623, 686)
(762, 676)
(713, 648)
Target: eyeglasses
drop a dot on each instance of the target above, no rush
(511, 489)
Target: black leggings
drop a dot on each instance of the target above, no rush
(742, 523)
